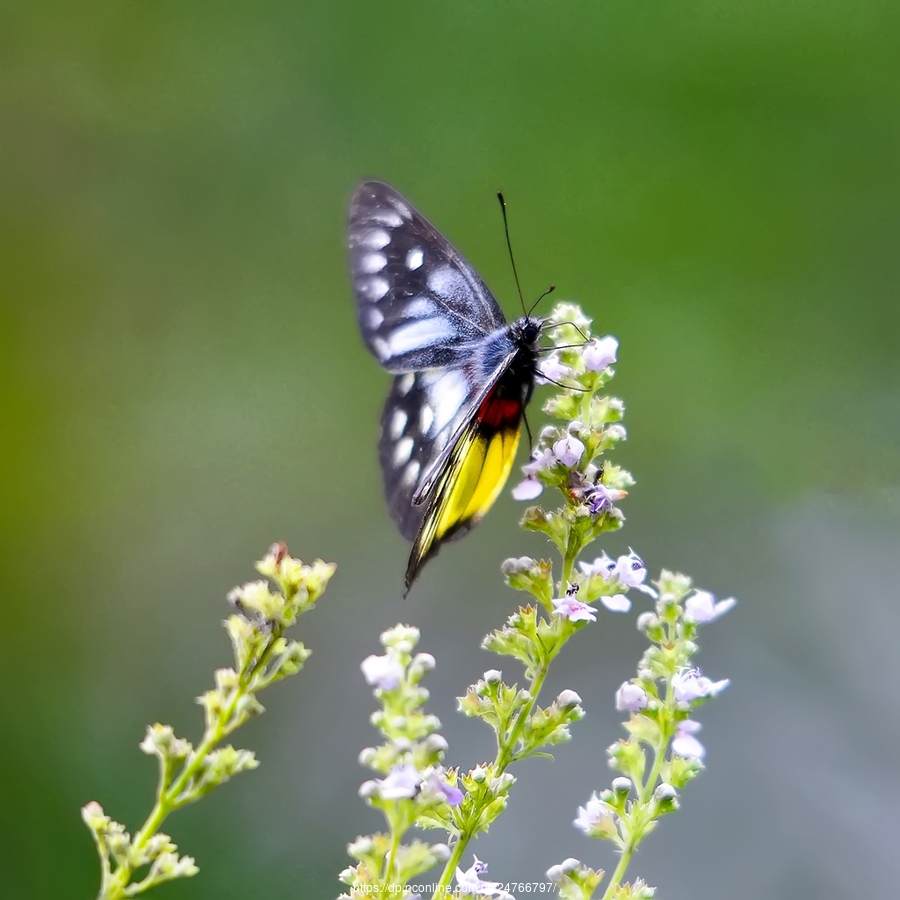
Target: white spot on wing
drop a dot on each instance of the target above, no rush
(403, 451)
(419, 334)
(386, 217)
(420, 307)
(379, 345)
(372, 262)
(411, 473)
(375, 239)
(373, 316)
(375, 288)
(447, 282)
(426, 418)
(446, 397)
(398, 423)
(414, 258)
(401, 207)
(404, 385)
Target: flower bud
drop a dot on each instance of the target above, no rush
(367, 756)
(630, 697)
(621, 785)
(435, 743)
(568, 698)
(664, 793)
(361, 847)
(368, 789)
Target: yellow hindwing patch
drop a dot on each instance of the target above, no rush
(473, 478)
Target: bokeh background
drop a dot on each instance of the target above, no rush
(181, 382)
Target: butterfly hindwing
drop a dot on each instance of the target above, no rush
(473, 472)
(423, 411)
(420, 304)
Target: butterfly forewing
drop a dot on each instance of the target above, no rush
(420, 304)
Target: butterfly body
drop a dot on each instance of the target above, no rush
(463, 375)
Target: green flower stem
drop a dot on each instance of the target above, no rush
(103, 851)
(396, 835)
(117, 886)
(635, 838)
(506, 753)
(645, 792)
(573, 548)
(505, 757)
(619, 873)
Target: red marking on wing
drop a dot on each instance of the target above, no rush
(498, 412)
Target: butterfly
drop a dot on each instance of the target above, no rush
(463, 374)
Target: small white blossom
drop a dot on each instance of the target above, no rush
(424, 662)
(361, 846)
(471, 882)
(573, 609)
(435, 783)
(551, 369)
(402, 638)
(599, 497)
(631, 571)
(568, 450)
(602, 566)
(566, 867)
(502, 783)
(631, 697)
(685, 744)
(402, 782)
(382, 671)
(368, 789)
(600, 353)
(701, 606)
(540, 460)
(689, 685)
(616, 433)
(616, 603)
(527, 489)
(596, 818)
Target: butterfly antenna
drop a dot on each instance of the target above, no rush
(549, 290)
(509, 247)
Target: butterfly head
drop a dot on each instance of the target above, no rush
(526, 330)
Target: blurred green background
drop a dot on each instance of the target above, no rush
(182, 382)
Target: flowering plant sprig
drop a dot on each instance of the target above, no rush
(262, 656)
(569, 459)
(415, 788)
(660, 699)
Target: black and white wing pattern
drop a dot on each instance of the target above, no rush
(423, 411)
(420, 304)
